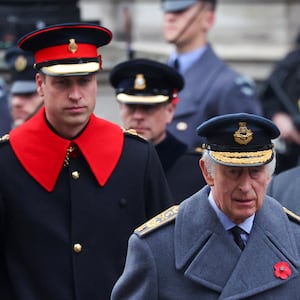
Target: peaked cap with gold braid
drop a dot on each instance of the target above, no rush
(239, 139)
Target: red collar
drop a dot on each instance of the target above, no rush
(41, 152)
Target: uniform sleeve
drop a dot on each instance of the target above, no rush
(270, 102)
(139, 278)
(5, 292)
(2, 215)
(5, 118)
(282, 86)
(157, 191)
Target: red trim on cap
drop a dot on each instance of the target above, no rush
(62, 52)
(64, 26)
(175, 98)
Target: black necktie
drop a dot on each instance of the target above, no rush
(236, 231)
(176, 64)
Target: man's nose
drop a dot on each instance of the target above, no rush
(245, 181)
(75, 93)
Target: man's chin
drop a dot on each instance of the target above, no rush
(18, 122)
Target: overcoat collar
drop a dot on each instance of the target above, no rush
(42, 152)
(208, 67)
(211, 258)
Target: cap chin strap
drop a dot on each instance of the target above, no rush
(189, 22)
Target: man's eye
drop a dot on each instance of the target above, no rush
(233, 171)
(255, 172)
(59, 81)
(85, 79)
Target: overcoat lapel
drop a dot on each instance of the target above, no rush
(211, 258)
(207, 256)
(270, 244)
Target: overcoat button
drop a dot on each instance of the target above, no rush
(77, 248)
(75, 175)
(123, 202)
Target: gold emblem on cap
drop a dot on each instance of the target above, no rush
(20, 63)
(299, 104)
(72, 46)
(243, 135)
(139, 82)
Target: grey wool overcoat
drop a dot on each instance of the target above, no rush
(186, 253)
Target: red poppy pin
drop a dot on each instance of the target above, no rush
(282, 270)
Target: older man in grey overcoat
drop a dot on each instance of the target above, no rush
(229, 240)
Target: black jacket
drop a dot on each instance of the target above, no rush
(64, 223)
(181, 167)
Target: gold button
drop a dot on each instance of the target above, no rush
(77, 248)
(75, 175)
(181, 126)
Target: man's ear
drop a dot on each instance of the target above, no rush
(208, 19)
(207, 176)
(170, 110)
(39, 81)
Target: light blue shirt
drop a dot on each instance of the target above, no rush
(186, 60)
(228, 224)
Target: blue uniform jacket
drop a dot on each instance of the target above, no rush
(211, 89)
(193, 257)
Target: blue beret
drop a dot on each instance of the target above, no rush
(144, 81)
(67, 49)
(239, 139)
(177, 5)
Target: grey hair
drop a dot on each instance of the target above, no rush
(210, 164)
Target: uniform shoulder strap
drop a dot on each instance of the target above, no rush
(292, 216)
(156, 222)
(4, 138)
(133, 133)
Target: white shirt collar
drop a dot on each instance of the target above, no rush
(187, 59)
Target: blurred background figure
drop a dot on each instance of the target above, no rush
(25, 101)
(285, 187)
(280, 96)
(211, 87)
(5, 118)
(146, 91)
(128, 31)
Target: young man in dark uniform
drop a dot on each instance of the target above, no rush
(147, 93)
(72, 186)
